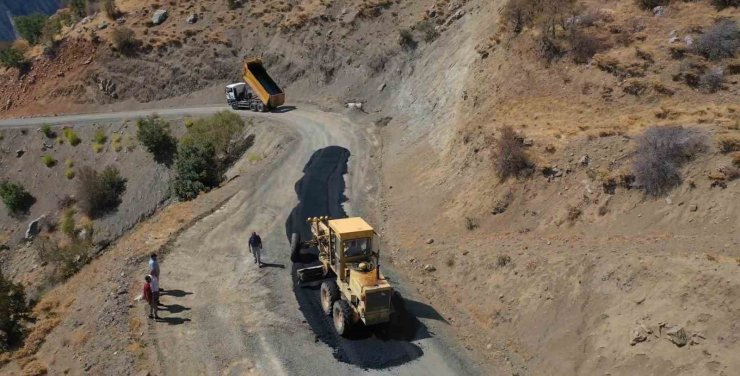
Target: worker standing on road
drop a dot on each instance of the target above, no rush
(255, 246)
(154, 283)
(154, 267)
(149, 297)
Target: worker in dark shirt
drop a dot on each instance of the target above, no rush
(255, 246)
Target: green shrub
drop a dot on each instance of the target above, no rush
(100, 137)
(99, 193)
(722, 4)
(15, 197)
(30, 27)
(72, 136)
(12, 58)
(78, 8)
(69, 173)
(196, 169)
(48, 161)
(729, 144)
(219, 130)
(154, 134)
(13, 313)
(233, 4)
(406, 39)
(68, 222)
(46, 130)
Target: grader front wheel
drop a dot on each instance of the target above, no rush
(342, 317)
(329, 295)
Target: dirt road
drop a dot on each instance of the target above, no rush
(224, 315)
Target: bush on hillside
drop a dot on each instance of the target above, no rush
(660, 153)
(722, 4)
(510, 158)
(584, 45)
(30, 27)
(219, 130)
(154, 133)
(650, 4)
(711, 81)
(406, 39)
(78, 8)
(196, 169)
(99, 193)
(12, 58)
(729, 144)
(720, 41)
(124, 40)
(15, 197)
(13, 312)
(109, 7)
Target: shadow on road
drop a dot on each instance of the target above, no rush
(283, 109)
(174, 308)
(174, 293)
(321, 192)
(173, 320)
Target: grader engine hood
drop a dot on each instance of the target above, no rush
(375, 296)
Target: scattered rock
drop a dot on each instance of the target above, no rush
(102, 25)
(143, 373)
(674, 40)
(159, 16)
(357, 105)
(638, 335)
(693, 208)
(430, 241)
(34, 227)
(121, 20)
(429, 268)
(659, 11)
(678, 336)
(381, 87)
(584, 161)
(192, 18)
(8, 104)
(465, 253)
(528, 142)
(489, 346)
(19, 153)
(688, 40)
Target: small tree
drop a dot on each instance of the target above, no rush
(124, 40)
(13, 312)
(510, 157)
(30, 27)
(15, 197)
(660, 153)
(154, 133)
(78, 8)
(196, 169)
(100, 193)
(109, 7)
(12, 58)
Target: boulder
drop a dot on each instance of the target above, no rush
(678, 336)
(192, 18)
(430, 241)
(659, 11)
(19, 153)
(102, 25)
(159, 16)
(429, 268)
(584, 161)
(34, 227)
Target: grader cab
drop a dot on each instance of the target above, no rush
(354, 289)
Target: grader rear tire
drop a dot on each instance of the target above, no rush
(342, 317)
(329, 295)
(295, 247)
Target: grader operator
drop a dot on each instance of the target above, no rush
(349, 254)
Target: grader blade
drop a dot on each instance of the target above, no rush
(311, 273)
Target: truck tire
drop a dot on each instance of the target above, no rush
(253, 106)
(295, 247)
(260, 107)
(329, 295)
(342, 313)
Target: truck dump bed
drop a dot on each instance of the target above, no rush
(262, 84)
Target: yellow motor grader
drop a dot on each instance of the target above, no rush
(349, 255)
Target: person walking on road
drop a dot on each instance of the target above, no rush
(154, 267)
(149, 297)
(154, 283)
(255, 246)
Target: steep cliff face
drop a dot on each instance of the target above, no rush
(12, 8)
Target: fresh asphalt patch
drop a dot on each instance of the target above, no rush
(321, 192)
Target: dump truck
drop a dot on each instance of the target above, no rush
(353, 289)
(258, 92)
